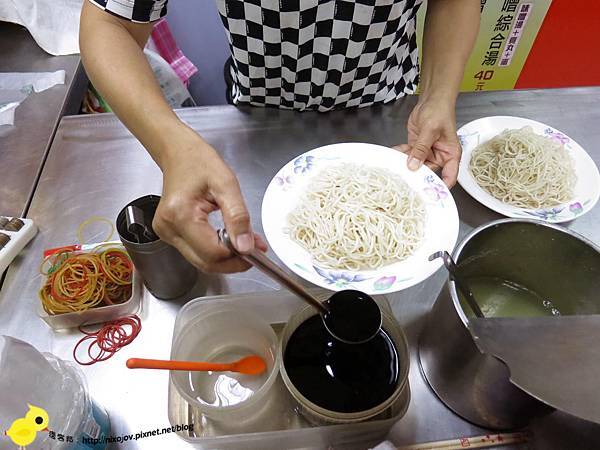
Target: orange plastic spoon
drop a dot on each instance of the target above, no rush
(249, 365)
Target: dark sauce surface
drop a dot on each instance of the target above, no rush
(337, 376)
(353, 316)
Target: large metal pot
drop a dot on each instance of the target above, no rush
(552, 261)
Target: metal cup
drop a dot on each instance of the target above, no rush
(166, 273)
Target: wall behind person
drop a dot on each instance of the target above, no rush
(199, 33)
(565, 52)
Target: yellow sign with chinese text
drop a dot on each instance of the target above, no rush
(506, 34)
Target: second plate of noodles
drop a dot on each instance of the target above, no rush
(522, 168)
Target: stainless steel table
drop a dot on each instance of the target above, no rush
(24, 146)
(95, 167)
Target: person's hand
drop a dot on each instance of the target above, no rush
(196, 182)
(432, 139)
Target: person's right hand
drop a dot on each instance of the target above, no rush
(196, 182)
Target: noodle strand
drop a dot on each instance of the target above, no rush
(355, 218)
(524, 169)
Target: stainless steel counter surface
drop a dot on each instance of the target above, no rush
(23, 146)
(95, 167)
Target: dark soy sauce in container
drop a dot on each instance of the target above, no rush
(352, 316)
(338, 376)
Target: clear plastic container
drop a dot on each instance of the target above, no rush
(28, 377)
(89, 423)
(280, 425)
(319, 415)
(98, 314)
(223, 333)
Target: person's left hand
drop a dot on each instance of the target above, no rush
(432, 139)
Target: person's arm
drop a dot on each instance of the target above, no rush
(196, 181)
(451, 27)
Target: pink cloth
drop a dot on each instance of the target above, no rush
(168, 49)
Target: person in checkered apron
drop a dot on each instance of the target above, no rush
(304, 55)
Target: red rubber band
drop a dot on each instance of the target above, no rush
(109, 339)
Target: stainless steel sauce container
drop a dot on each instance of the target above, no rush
(166, 273)
(552, 261)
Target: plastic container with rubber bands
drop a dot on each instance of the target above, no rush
(97, 314)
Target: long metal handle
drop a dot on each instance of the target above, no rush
(262, 262)
(453, 270)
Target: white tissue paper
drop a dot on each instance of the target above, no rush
(7, 113)
(54, 24)
(385, 445)
(27, 82)
(15, 87)
(9, 100)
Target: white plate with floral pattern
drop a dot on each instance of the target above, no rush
(286, 188)
(587, 188)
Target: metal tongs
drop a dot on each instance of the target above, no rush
(137, 226)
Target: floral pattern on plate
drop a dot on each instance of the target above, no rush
(435, 191)
(347, 279)
(557, 136)
(340, 279)
(466, 138)
(284, 181)
(302, 165)
(564, 212)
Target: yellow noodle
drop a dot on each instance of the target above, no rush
(524, 169)
(354, 218)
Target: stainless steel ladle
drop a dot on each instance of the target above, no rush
(346, 326)
(458, 280)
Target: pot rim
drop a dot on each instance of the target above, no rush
(459, 248)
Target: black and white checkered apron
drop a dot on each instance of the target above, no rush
(310, 54)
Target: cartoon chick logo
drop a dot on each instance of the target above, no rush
(24, 430)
